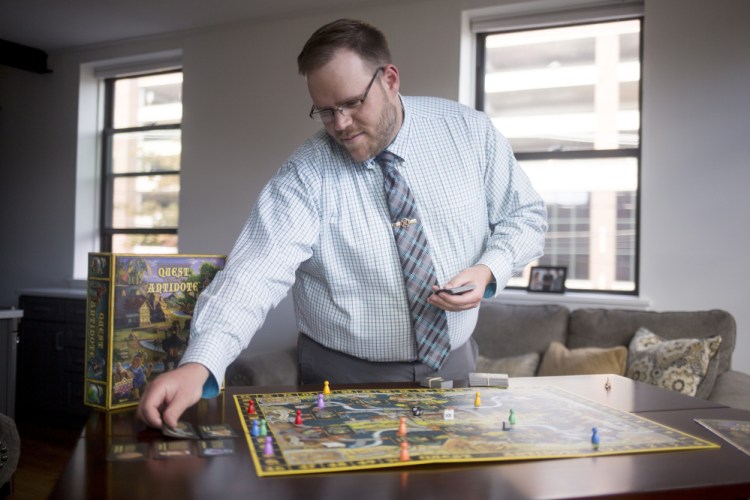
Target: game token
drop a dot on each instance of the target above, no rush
(263, 427)
(404, 455)
(298, 419)
(477, 400)
(402, 427)
(256, 429)
(321, 401)
(268, 448)
(251, 407)
(512, 417)
(326, 388)
(595, 438)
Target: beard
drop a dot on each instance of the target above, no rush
(376, 140)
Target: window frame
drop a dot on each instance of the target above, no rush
(108, 177)
(636, 152)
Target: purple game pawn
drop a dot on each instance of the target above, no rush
(268, 448)
(321, 401)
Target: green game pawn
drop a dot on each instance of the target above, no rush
(512, 417)
(263, 428)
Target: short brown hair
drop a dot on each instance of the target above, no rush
(360, 37)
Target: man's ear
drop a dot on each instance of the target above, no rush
(391, 78)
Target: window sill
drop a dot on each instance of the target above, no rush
(574, 300)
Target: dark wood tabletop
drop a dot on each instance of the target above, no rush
(713, 473)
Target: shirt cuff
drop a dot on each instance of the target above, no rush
(211, 387)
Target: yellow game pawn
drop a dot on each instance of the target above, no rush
(326, 389)
(477, 400)
(404, 455)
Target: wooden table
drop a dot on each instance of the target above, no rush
(716, 473)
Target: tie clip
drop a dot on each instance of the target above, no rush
(404, 222)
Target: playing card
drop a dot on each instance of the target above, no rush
(127, 452)
(215, 447)
(216, 431)
(174, 449)
(184, 430)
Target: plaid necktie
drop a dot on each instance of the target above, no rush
(430, 323)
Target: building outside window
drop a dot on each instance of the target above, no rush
(568, 100)
(141, 161)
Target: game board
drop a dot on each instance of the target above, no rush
(359, 429)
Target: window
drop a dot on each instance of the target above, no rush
(141, 162)
(567, 98)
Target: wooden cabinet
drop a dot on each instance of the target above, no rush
(51, 355)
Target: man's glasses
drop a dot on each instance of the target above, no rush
(328, 115)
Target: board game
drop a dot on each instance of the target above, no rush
(298, 433)
(139, 310)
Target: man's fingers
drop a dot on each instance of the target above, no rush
(174, 409)
(150, 415)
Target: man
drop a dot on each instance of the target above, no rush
(325, 226)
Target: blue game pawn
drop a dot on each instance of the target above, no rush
(255, 431)
(595, 438)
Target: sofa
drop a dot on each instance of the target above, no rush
(684, 351)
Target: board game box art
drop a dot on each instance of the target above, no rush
(139, 310)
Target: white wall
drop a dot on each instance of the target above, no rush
(245, 111)
(696, 172)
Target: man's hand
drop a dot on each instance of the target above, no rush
(171, 393)
(479, 275)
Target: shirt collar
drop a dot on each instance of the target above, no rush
(400, 144)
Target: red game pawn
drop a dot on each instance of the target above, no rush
(298, 419)
(251, 407)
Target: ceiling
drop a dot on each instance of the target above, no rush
(53, 25)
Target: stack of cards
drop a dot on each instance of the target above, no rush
(488, 380)
(436, 383)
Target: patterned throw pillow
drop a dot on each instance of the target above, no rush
(516, 366)
(678, 365)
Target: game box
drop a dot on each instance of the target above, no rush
(138, 314)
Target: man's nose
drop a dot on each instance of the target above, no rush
(341, 120)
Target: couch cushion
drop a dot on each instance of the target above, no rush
(611, 327)
(679, 365)
(559, 360)
(505, 330)
(524, 365)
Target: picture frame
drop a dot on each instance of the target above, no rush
(547, 279)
